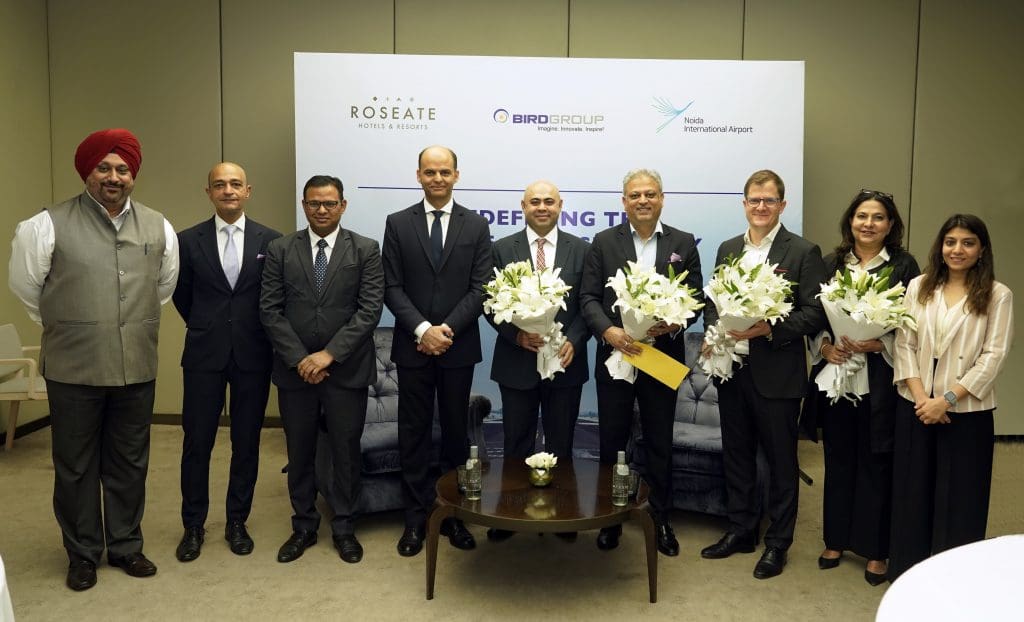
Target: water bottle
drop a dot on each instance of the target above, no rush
(473, 474)
(620, 481)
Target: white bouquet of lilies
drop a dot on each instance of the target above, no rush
(645, 298)
(744, 293)
(542, 460)
(530, 301)
(860, 306)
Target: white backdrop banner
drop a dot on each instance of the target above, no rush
(580, 123)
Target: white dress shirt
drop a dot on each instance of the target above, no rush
(646, 250)
(32, 252)
(331, 238)
(550, 246)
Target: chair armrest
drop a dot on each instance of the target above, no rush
(33, 373)
(29, 349)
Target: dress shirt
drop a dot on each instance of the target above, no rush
(222, 237)
(646, 250)
(445, 219)
(331, 239)
(550, 245)
(32, 251)
(758, 253)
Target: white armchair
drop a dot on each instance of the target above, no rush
(19, 376)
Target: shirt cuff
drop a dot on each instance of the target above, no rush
(422, 328)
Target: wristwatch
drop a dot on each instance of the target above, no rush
(950, 398)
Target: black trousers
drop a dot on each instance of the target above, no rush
(202, 403)
(559, 407)
(748, 420)
(657, 405)
(100, 440)
(419, 388)
(942, 477)
(858, 482)
(342, 412)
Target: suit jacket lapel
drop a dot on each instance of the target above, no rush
(521, 250)
(340, 256)
(625, 237)
(418, 221)
(780, 246)
(455, 222)
(210, 248)
(250, 249)
(664, 248)
(304, 252)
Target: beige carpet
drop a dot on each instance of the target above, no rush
(524, 578)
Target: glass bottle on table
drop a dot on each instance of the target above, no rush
(620, 481)
(474, 474)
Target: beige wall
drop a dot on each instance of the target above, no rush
(905, 96)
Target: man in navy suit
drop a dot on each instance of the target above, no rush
(514, 366)
(218, 297)
(651, 243)
(759, 405)
(323, 292)
(437, 258)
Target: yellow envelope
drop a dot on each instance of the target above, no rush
(658, 365)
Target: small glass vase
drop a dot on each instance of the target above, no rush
(541, 477)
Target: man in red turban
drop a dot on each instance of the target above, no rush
(94, 270)
(97, 145)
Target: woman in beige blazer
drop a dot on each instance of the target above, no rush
(945, 371)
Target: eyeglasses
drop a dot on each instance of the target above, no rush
(767, 202)
(876, 193)
(315, 205)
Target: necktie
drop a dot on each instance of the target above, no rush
(320, 265)
(231, 256)
(436, 238)
(541, 259)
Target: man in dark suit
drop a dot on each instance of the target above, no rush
(437, 258)
(323, 292)
(761, 402)
(649, 242)
(514, 366)
(218, 296)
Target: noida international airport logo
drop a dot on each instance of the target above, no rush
(501, 116)
(665, 107)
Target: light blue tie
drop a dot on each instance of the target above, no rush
(231, 267)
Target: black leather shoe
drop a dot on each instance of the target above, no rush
(296, 545)
(238, 538)
(827, 563)
(499, 535)
(730, 543)
(608, 538)
(567, 536)
(457, 534)
(348, 547)
(190, 545)
(135, 564)
(771, 563)
(875, 579)
(667, 543)
(411, 541)
(81, 575)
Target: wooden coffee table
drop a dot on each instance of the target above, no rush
(578, 499)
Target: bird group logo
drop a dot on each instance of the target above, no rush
(501, 115)
(665, 107)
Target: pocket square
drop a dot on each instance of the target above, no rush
(674, 257)
(260, 256)
(781, 270)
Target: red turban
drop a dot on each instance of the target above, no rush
(97, 145)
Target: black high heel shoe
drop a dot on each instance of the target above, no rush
(875, 579)
(825, 563)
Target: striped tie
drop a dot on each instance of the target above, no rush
(541, 259)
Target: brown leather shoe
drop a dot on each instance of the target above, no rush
(135, 564)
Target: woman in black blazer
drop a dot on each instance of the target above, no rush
(858, 438)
